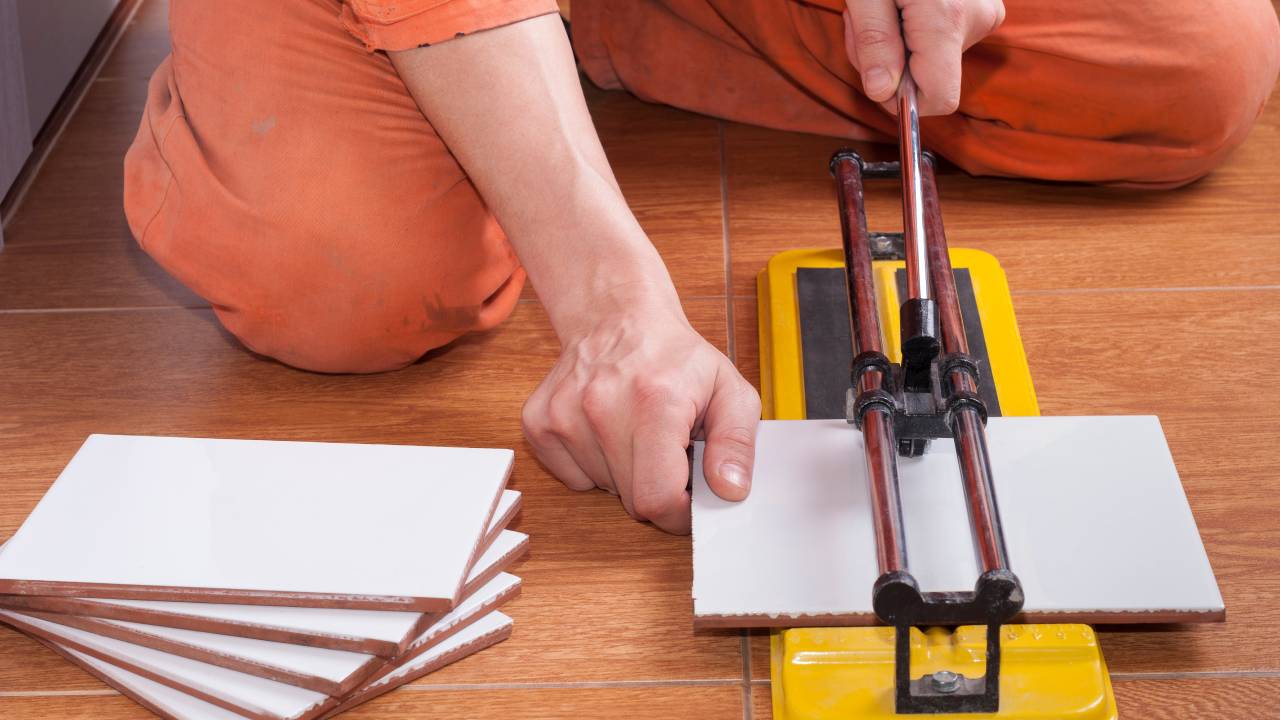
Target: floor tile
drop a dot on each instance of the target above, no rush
(77, 196)
(1217, 232)
(74, 707)
(91, 274)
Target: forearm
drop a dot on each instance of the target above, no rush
(509, 105)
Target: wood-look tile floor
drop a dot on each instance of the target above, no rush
(1128, 302)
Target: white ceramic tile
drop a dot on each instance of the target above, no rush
(473, 637)
(328, 524)
(173, 703)
(1095, 520)
(181, 706)
(248, 694)
(475, 606)
(338, 668)
(510, 544)
(334, 667)
(333, 624)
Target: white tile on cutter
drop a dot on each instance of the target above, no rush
(175, 703)
(385, 625)
(341, 521)
(1095, 520)
(251, 694)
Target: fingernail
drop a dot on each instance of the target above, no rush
(877, 82)
(735, 475)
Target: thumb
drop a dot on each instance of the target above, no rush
(733, 414)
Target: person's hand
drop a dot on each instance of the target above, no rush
(618, 410)
(937, 33)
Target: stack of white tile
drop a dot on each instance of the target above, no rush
(273, 580)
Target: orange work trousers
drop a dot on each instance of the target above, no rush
(285, 174)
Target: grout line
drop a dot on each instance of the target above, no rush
(747, 710)
(1198, 675)
(583, 685)
(1190, 289)
(127, 308)
(726, 251)
(56, 693)
(38, 163)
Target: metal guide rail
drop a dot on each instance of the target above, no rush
(932, 393)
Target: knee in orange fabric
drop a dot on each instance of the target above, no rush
(394, 314)
(1231, 57)
(323, 218)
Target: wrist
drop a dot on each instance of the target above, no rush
(612, 299)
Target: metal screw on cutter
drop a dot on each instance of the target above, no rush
(945, 681)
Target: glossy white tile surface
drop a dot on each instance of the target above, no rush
(1095, 520)
(476, 606)
(385, 625)
(172, 702)
(335, 666)
(252, 695)
(184, 707)
(493, 622)
(359, 525)
(509, 544)
(476, 603)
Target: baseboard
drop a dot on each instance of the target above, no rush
(66, 107)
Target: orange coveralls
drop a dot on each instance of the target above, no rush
(285, 174)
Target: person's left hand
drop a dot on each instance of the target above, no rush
(632, 387)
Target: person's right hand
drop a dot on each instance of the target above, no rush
(937, 33)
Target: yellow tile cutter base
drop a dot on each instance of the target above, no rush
(954, 359)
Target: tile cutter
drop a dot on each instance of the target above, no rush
(985, 667)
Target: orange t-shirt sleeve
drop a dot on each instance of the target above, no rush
(407, 24)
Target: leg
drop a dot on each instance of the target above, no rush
(1140, 93)
(284, 173)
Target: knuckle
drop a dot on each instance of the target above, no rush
(597, 403)
(559, 416)
(538, 436)
(737, 438)
(876, 39)
(654, 392)
(532, 421)
(996, 15)
(951, 15)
